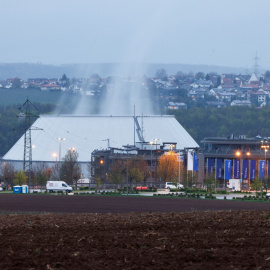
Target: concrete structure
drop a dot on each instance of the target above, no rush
(89, 133)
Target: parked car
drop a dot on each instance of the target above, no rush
(171, 185)
(1, 189)
(267, 195)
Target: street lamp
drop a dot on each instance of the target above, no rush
(240, 155)
(156, 157)
(72, 149)
(128, 148)
(171, 147)
(151, 162)
(55, 156)
(59, 169)
(265, 147)
(5, 166)
(127, 172)
(179, 161)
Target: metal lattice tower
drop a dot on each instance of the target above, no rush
(27, 155)
(256, 64)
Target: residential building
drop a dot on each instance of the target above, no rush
(241, 103)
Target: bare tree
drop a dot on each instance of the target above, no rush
(42, 173)
(7, 174)
(138, 170)
(70, 168)
(117, 172)
(161, 74)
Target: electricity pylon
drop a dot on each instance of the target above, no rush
(27, 155)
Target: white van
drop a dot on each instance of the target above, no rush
(170, 185)
(52, 186)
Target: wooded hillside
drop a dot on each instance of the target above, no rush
(222, 122)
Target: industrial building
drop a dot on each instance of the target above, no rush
(235, 157)
(54, 135)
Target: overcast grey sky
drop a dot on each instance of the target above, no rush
(211, 32)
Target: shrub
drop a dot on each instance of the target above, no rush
(201, 190)
(84, 188)
(222, 192)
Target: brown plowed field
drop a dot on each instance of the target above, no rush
(118, 204)
(106, 232)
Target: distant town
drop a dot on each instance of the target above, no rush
(173, 92)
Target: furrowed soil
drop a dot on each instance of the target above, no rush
(143, 234)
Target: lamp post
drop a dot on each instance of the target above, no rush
(265, 147)
(59, 168)
(102, 171)
(171, 147)
(5, 166)
(151, 163)
(55, 156)
(128, 148)
(179, 169)
(240, 155)
(127, 172)
(71, 163)
(156, 159)
(30, 170)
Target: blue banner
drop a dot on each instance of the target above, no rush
(252, 170)
(228, 168)
(267, 169)
(195, 162)
(261, 169)
(236, 168)
(219, 169)
(210, 166)
(245, 169)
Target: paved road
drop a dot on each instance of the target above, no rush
(118, 204)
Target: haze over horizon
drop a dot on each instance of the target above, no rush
(216, 33)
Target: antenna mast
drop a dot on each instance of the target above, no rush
(134, 125)
(256, 64)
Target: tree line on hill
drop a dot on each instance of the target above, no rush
(222, 122)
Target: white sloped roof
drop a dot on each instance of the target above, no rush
(88, 133)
